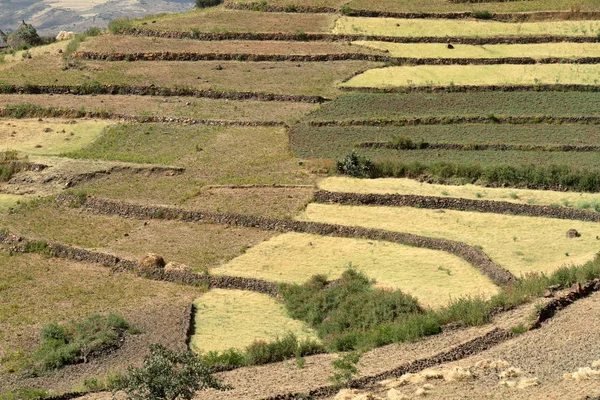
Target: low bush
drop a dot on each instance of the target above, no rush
(207, 3)
(117, 25)
(23, 394)
(356, 166)
(75, 342)
(482, 14)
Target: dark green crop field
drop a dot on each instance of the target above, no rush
(359, 106)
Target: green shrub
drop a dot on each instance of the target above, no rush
(355, 165)
(472, 311)
(344, 368)
(482, 14)
(207, 3)
(117, 25)
(230, 357)
(68, 344)
(23, 394)
(166, 374)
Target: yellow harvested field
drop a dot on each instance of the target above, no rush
(505, 74)
(440, 50)
(474, 192)
(520, 244)
(434, 277)
(30, 136)
(236, 318)
(461, 27)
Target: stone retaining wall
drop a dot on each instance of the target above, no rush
(549, 119)
(216, 36)
(154, 91)
(191, 56)
(473, 255)
(509, 16)
(460, 204)
(53, 112)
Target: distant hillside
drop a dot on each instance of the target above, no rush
(52, 16)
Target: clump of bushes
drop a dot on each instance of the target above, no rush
(77, 341)
(355, 165)
(117, 25)
(207, 3)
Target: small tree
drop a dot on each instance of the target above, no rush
(167, 375)
(344, 368)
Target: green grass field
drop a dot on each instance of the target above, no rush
(448, 75)
(434, 277)
(236, 318)
(439, 50)
(473, 192)
(461, 27)
(520, 244)
(359, 106)
(9, 200)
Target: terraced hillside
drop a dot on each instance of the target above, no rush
(275, 184)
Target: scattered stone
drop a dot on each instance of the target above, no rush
(457, 374)
(572, 233)
(60, 51)
(38, 146)
(511, 372)
(420, 392)
(548, 293)
(527, 382)
(46, 130)
(582, 374)
(176, 267)
(449, 45)
(508, 384)
(576, 288)
(596, 364)
(218, 67)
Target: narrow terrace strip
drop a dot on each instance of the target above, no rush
(475, 88)
(490, 119)
(20, 244)
(332, 37)
(471, 254)
(54, 112)
(479, 147)
(459, 204)
(154, 91)
(467, 349)
(189, 56)
(508, 16)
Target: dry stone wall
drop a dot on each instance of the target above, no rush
(471, 254)
(450, 203)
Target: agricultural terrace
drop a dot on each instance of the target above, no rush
(520, 244)
(468, 191)
(172, 106)
(132, 44)
(438, 6)
(461, 28)
(448, 75)
(227, 319)
(219, 20)
(48, 137)
(433, 277)
(373, 106)
(440, 50)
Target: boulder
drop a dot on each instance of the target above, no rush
(572, 233)
(63, 35)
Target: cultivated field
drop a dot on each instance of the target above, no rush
(520, 244)
(410, 186)
(433, 75)
(235, 318)
(461, 28)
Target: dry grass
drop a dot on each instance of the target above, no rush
(235, 318)
(439, 50)
(170, 106)
(200, 246)
(133, 44)
(28, 135)
(223, 20)
(410, 186)
(461, 27)
(520, 244)
(432, 276)
(494, 6)
(45, 220)
(448, 75)
(9, 200)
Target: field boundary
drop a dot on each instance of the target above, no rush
(332, 37)
(463, 350)
(155, 91)
(479, 147)
(453, 203)
(458, 119)
(191, 56)
(350, 12)
(59, 112)
(474, 256)
(474, 88)
(19, 244)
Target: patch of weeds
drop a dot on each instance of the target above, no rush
(120, 24)
(345, 368)
(518, 329)
(444, 269)
(513, 195)
(36, 246)
(355, 165)
(23, 394)
(282, 348)
(482, 14)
